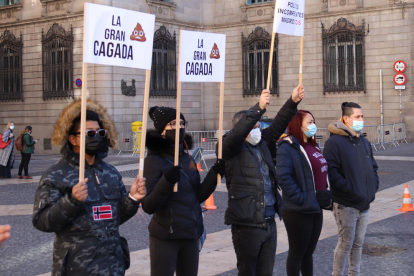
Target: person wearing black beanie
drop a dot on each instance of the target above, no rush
(177, 222)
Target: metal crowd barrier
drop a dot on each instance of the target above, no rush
(387, 135)
(322, 134)
(129, 142)
(206, 140)
(125, 142)
(400, 133)
(372, 135)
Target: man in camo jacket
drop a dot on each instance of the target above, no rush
(86, 216)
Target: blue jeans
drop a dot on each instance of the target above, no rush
(352, 225)
(255, 249)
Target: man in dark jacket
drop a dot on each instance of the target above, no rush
(352, 172)
(86, 216)
(251, 184)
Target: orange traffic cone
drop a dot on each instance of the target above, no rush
(199, 168)
(209, 204)
(407, 204)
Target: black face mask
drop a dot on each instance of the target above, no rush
(93, 145)
(170, 134)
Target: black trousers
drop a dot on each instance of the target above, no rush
(303, 232)
(24, 164)
(5, 171)
(168, 256)
(255, 249)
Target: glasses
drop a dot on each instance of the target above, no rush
(182, 125)
(92, 133)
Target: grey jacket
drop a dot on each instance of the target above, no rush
(7, 152)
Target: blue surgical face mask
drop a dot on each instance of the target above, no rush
(11, 127)
(357, 126)
(311, 131)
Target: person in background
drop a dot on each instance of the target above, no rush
(7, 154)
(301, 171)
(354, 181)
(28, 148)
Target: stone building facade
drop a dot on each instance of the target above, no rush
(346, 43)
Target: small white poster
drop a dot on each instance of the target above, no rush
(118, 37)
(289, 17)
(203, 57)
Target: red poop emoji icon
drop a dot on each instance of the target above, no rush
(138, 34)
(215, 53)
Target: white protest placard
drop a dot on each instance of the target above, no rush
(118, 37)
(289, 17)
(202, 57)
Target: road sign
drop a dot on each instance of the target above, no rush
(400, 66)
(78, 82)
(399, 87)
(400, 79)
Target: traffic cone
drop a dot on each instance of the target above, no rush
(209, 204)
(407, 204)
(199, 168)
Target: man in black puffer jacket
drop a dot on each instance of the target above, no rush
(251, 184)
(354, 181)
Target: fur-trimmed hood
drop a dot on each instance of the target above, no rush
(340, 129)
(157, 144)
(70, 113)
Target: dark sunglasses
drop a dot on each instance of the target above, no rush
(92, 133)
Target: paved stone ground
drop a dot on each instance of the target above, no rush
(29, 252)
(379, 233)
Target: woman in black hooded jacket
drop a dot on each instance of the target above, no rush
(177, 221)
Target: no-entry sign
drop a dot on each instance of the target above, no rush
(400, 79)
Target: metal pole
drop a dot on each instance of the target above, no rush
(381, 103)
(382, 109)
(400, 107)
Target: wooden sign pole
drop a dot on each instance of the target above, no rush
(83, 123)
(300, 63)
(83, 110)
(144, 123)
(177, 121)
(269, 73)
(220, 134)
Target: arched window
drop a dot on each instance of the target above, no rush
(343, 57)
(256, 49)
(164, 65)
(11, 69)
(57, 63)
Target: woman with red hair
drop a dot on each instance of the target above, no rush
(301, 171)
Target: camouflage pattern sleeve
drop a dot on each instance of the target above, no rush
(129, 207)
(52, 210)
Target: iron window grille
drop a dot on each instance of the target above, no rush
(8, 2)
(164, 65)
(57, 63)
(255, 56)
(343, 57)
(249, 2)
(11, 69)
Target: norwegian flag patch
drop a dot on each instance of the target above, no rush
(102, 212)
